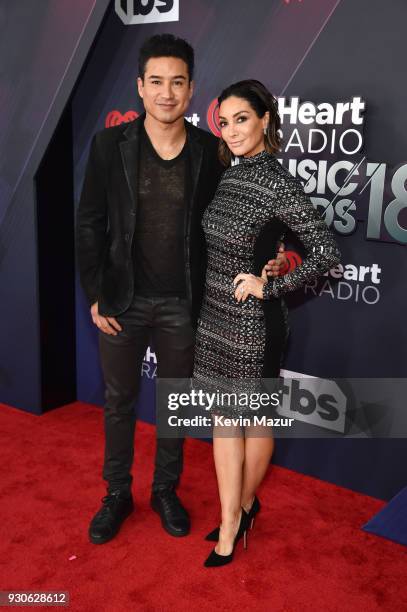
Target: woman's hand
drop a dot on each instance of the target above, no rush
(248, 284)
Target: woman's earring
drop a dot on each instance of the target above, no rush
(265, 131)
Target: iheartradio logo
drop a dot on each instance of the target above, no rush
(212, 117)
(293, 260)
(115, 117)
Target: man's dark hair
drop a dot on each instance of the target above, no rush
(166, 45)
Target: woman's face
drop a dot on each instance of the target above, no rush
(241, 128)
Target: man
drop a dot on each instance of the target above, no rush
(142, 262)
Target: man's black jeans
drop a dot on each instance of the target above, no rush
(167, 322)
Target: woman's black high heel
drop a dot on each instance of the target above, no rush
(213, 536)
(215, 560)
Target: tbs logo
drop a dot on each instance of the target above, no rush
(313, 400)
(133, 12)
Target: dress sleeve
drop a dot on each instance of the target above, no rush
(294, 208)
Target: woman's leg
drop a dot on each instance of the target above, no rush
(257, 456)
(229, 455)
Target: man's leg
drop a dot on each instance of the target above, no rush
(174, 343)
(121, 357)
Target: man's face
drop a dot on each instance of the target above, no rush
(166, 89)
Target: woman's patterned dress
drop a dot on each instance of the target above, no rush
(256, 201)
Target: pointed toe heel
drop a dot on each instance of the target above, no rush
(213, 536)
(215, 560)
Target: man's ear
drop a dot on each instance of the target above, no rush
(140, 86)
(191, 88)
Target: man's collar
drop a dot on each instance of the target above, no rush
(133, 129)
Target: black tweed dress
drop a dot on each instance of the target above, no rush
(256, 201)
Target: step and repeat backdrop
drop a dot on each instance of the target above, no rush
(337, 69)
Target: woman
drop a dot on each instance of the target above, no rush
(243, 325)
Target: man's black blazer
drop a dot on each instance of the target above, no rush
(107, 215)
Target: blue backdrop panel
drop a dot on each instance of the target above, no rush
(42, 47)
(391, 521)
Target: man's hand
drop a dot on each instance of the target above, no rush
(274, 266)
(107, 325)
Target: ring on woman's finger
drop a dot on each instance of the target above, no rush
(241, 289)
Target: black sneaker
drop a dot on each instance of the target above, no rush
(174, 517)
(108, 520)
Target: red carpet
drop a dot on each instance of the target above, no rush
(307, 551)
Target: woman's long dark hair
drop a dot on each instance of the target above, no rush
(261, 101)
